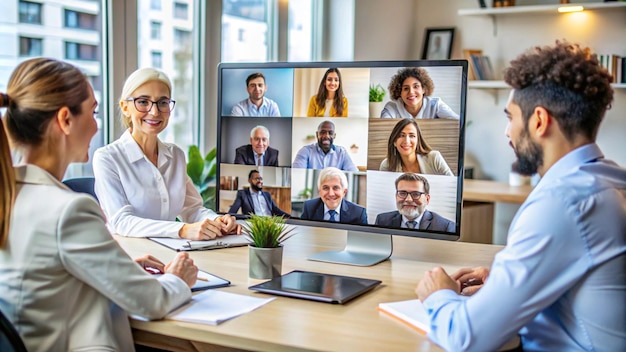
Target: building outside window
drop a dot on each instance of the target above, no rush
(155, 4)
(30, 12)
(245, 30)
(157, 59)
(30, 47)
(74, 19)
(78, 51)
(181, 10)
(155, 30)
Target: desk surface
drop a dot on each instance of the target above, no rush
(491, 191)
(292, 324)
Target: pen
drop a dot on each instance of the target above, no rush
(195, 246)
(202, 279)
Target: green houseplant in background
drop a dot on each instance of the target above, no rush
(203, 172)
(377, 94)
(266, 235)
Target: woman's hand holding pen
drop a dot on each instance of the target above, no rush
(470, 280)
(183, 267)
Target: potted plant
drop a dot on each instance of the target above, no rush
(266, 235)
(377, 93)
(203, 172)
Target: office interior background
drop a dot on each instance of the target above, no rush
(109, 39)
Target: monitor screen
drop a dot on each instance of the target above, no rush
(328, 156)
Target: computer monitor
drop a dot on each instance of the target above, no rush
(308, 132)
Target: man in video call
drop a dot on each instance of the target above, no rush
(412, 197)
(254, 200)
(256, 104)
(332, 186)
(258, 152)
(324, 153)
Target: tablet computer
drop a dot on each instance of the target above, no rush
(317, 286)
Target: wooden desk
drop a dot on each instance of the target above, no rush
(479, 198)
(288, 324)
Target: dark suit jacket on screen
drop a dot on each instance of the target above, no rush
(350, 213)
(244, 201)
(430, 221)
(245, 155)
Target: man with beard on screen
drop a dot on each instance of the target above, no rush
(560, 281)
(324, 153)
(412, 197)
(254, 200)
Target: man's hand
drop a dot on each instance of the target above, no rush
(434, 280)
(471, 280)
(151, 264)
(183, 267)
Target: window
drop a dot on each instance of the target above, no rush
(181, 10)
(74, 19)
(300, 39)
(157, 59)
(30, 46)
(30, 12)
(77, 51)
(155, 30)
(182, 40)
(245, 30)
(155, 4)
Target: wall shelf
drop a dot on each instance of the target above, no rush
(510, 10)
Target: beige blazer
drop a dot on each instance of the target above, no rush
(432, 163)
(63, 277)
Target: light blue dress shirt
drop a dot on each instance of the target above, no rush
(313, 157)
(432, 108)
(260, 204)
(561, 281)
(269, 108)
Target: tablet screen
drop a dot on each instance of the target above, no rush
(317, 286)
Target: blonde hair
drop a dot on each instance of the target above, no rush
(138, 79)
(7, 182)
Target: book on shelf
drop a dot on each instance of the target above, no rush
(410, 312)
(615, 65)
(467, 55)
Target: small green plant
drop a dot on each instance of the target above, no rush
(266, 231)
(377, 93)
(305, 193)
(203, 172)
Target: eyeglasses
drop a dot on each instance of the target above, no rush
(414, 194)
(324, 132)
(145, 105)
(257, 178)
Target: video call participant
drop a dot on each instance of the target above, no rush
(329, 100)
(412, 198)
(410, 91)
(141, 182)
(65, 283)
(332, 186)
(258, 152)
(560, 280)
(256, 104)
(408, 151)
(254, 200)
(324, 153)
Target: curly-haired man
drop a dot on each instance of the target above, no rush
(560, 281)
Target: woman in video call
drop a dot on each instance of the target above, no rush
(63, 277)
(410, 91)
(141, 182)
(407, 151)
(329, 100)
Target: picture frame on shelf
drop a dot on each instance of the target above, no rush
(438, 43)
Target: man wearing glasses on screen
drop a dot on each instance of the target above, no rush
(412, 197)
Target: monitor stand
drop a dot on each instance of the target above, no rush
(362, 249)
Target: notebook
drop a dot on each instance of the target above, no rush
(320, 287)
(410, 312)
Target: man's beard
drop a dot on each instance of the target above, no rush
(256, 188)
(529, 156)
(413, 213)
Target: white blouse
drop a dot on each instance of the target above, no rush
(142, 200)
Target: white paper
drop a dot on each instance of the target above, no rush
(214, 306)
(181, 244)
(411, 312)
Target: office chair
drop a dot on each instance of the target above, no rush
(10, 340)
(82, 185)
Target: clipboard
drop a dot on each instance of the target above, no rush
(206, 281)
(181, 244)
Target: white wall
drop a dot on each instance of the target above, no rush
(399, 35)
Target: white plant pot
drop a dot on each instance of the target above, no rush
(376, 108)
(265, 263)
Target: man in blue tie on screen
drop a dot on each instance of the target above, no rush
(331, 206)
(560, 281)
(254, 200)
(324, 153)
(412, 197)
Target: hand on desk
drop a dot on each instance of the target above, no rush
(150, 264)
(435, 280)
(210, 229)
(471, 280)
(183, 267)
